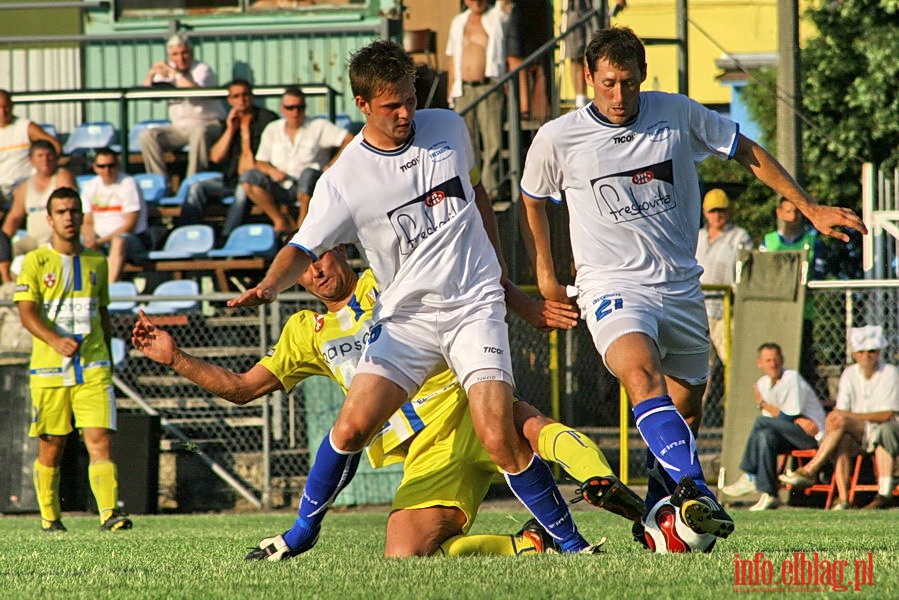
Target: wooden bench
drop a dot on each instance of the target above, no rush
(219, 267)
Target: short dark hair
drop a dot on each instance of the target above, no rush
(63, 192)
(106, 151)
(295, 91)
(241, 82)
(770, 346)
(380, 66)
(41, 145)
(618, 45)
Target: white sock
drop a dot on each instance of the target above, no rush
(885, 486)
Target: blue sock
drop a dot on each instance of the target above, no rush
(670, 440)
(331, 472)
(537, 490)
(658, 483)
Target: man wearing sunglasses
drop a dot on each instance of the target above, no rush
(864, 420)
(115, 214)
(293, 153)
(234, 153)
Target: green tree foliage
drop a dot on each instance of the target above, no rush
(849, 87)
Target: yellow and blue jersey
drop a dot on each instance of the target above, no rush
(69, 292)
(331, 345)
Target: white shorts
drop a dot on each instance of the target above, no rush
(673, 315)
(408, 348)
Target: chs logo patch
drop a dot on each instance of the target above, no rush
(319, 322)
(50, 279)
(642, 178)
(434, 198)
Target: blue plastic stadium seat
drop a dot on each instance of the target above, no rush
(134, 132)
(186, 288)
(122, 289)
(90, 136)
(184, 242)
(152, 186)
(80, 180)
(119, 352)
(49, 128)
(252, 239)
(181, 195)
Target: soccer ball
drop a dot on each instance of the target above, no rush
(666, 533)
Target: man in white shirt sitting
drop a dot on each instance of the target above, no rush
(115, 214)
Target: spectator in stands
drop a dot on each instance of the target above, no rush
(716, 252)
(441, 491)
(16, 137)
(293, 153)
(29, 205)
(864, 420)
(62, 295)
(115, 214)
(196, 122)
(576, 42)
(234, 152)
(792, 419)
(530, 26)
(793, 234)
(475, 57)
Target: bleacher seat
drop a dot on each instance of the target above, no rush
(251, 239)
(152, 186)
(90, 136)
(122, 289)
(187, 241)
(181, 195)
(134, 132)
(119, 352)
(49, 128)
(174, 287)
(80, 180)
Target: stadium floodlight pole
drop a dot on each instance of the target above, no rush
(175, 431)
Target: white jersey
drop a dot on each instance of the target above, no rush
(632, 190)
(794, 396)
(412, 212)
(860, 395)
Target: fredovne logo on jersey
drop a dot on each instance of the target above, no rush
(637, 193)
(424, 216)
(49, 279)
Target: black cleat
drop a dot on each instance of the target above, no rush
(609, 493)
(543, 542)
(53, 526)
(699, 512)
(117, 521)
(638, 532)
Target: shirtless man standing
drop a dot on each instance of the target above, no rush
(476, 56)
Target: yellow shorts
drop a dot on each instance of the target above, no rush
(447, 466)
(92, 404)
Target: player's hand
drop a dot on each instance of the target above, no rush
(559, 315)
(156, 344)
(261, 294)
(232, 121)
(826, 219)
(65, 346)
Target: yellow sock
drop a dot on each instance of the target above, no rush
(46, 486)
(105, 485)
(573, 451)
(496, 545)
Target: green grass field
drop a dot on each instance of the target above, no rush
(201, 556)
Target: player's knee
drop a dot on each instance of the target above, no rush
(348, 437)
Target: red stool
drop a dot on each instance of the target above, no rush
(801, 457)
(855, 486)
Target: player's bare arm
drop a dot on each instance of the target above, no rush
(544, 315)
(769, 171)
(35, 324)
(535, 235)
(283, 273)
(237, 388)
